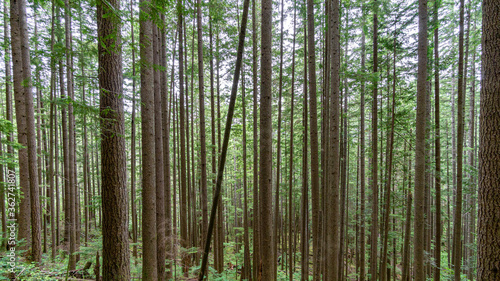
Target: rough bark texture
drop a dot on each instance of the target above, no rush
(115, 253)
(489, 151)
(159, 171)
(332, 192)
(24, 217)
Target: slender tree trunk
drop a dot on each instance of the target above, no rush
(8, 112)
(314, 136)
(457, 225)
(374, 163)
(290, 176)
(406, 243)
(390, 147)
(227, 132)
(167, 108)
(438, 228)
(362, 240)
(332, 192)
(420, 142)
(182, 144)
(71, 139)
(247, 270)
(203, 149)
(159, 175)
(52, 148)
(265, 193)
(256, 212)
(304, 241)
(149, 238)
(133, 209)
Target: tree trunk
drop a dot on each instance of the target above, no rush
(420, 142)
(290, 178)
(362, 266)
(278, 154)
(489, 151)
(438, 227)
(314, 136)
(374, 163)
(203, 149)
(116, 254)
(457, 225)
(256, 212)
(265, 193)
(332, 192)
(149, 238)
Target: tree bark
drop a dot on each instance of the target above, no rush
(116, 254)
(420, 142)
(489, 151)
(265, 183)
(149, 238)
(313, 120)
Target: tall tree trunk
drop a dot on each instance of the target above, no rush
(167, 108)
(149, 238)
(159, 175)
(247, 270)
(8, 110)
(406, 243)
(438, 227)
(420, 142)
(227, 132)
(390, 145)
(278, 155)
(256, 213)
(374, 163)
(116, 253)
(489, 151)
(266, 174)
(133, 207)
(332, 192)
(362, 240)
(457, 225)
(203, 149)
(26, 124)
(304, 241)
(314, 136)
(182, 133)
(290, 176)
(52, 148)
(72, 190)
